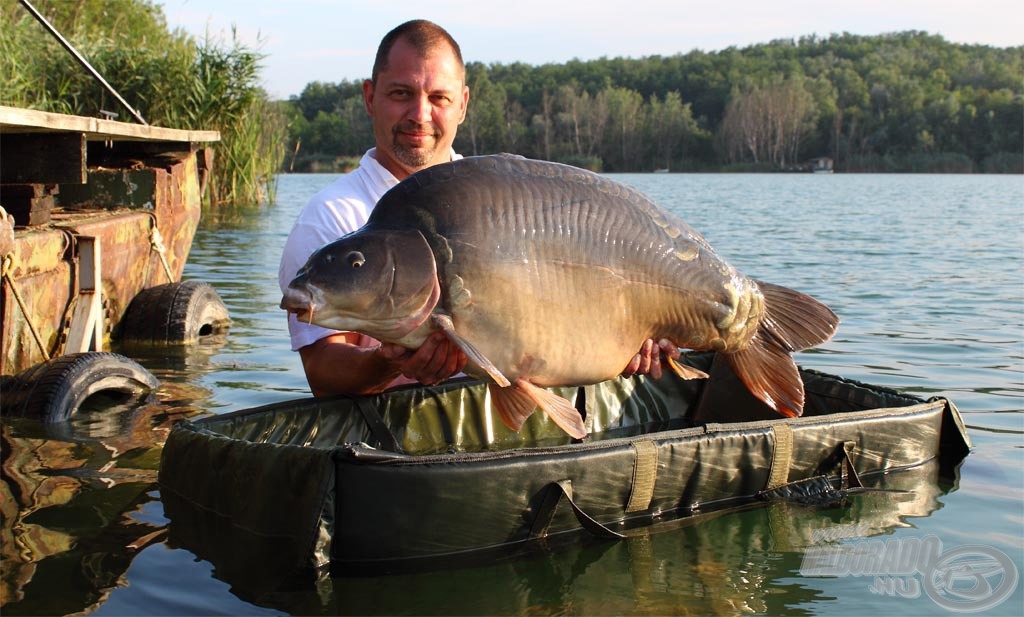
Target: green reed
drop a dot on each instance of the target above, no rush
(169, 77)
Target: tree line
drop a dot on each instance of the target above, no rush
(907, 101)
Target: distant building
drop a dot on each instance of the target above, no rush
(821, 165)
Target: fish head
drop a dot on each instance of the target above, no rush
(381, 283)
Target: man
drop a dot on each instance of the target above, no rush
(416, 98)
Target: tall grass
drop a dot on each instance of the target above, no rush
(173, 80)
(221, 94)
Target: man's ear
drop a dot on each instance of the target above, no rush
(368, 96)
(465, 103)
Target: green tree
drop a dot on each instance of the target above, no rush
(484, 129)
(670, 124)
(889, 102)
(622, 143)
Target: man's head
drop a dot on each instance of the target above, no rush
(417, 97)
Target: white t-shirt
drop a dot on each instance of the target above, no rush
(341, 208)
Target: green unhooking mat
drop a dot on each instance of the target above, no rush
(420, 474)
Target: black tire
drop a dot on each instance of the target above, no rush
(174, 314)
(54, 391)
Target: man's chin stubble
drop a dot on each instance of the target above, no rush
(412, 158)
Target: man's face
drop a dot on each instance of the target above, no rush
(416, 105)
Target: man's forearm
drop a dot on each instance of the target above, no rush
(334, 366)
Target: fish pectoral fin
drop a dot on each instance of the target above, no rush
(445, 324)
(685, 371)
(560, 410)
(512, 404)
(771, 374)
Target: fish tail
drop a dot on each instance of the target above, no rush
(793, 321)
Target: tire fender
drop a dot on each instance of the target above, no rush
(54, 391)
(174, 314)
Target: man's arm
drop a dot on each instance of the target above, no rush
(336, 364)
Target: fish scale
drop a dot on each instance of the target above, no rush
(549, 275)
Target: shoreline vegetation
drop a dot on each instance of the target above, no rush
(941, 163)
(904, 102)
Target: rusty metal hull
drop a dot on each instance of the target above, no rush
(141, 201)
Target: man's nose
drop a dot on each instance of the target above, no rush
(421, 110)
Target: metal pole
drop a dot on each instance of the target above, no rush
(81, 59)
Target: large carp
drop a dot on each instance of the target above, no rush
(548, 275)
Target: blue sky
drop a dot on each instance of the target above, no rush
(332, 40)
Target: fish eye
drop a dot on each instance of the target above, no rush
(355, 259)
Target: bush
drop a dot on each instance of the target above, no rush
(591, 163)
(1004, 163)
(939, 162)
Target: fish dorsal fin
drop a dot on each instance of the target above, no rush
(797, 321)
(445, 324)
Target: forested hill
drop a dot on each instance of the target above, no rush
(907, 101)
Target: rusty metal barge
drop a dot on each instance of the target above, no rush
(97, 221)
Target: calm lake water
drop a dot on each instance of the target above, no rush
(925, 272)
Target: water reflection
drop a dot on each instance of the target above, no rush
(80, 523)
(741, 561)
(70, 494)
(76, 498)
(924, 271)
(74, 492)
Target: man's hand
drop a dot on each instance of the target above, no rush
(436, 360)
(648, 360)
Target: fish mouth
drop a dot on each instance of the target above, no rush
(300, 303)
(303, 315)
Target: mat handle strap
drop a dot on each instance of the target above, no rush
(553, 494)
(378, 428)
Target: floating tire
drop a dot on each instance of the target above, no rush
(55, 390)
(174, 314)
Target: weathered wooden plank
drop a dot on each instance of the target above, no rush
(17, 120)
(154, 185)
(29, 204)
(50, 158)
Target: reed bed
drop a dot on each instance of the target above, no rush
(169, 77)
